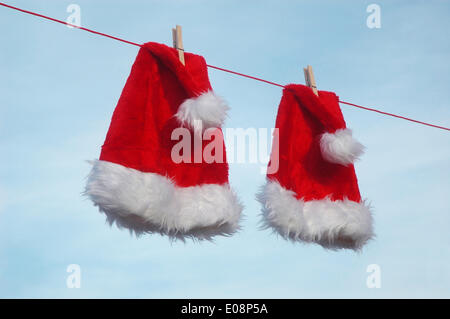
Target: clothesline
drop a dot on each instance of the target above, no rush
(216, 67)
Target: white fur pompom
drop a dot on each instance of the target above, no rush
(205, 111)
(340, 147)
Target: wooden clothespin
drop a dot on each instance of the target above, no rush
(178, 42)
(310, 80)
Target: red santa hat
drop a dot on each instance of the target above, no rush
(136, 183)
(314, 194)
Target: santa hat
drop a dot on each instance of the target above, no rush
(136, 183)
(314, 194)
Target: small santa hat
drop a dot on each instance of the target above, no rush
(314, 194)
(136, 183)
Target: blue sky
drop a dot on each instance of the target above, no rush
(59, 87)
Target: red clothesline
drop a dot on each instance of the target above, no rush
(215, 67)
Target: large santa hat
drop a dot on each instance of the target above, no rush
(136, 182)
(314, 194)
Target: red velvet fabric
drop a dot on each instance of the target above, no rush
(302, 118)
(139, 136)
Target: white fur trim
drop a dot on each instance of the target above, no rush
(207, 110)
(149, 202)
(340, 147)
(332, 224)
